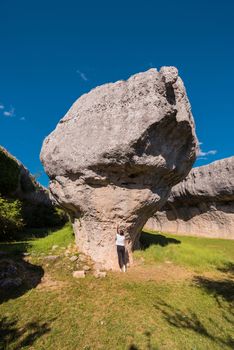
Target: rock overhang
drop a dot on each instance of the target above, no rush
(118, 151)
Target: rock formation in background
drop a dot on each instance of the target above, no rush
(202, 204)
(116, 154)
(36, 208)
(17, 182)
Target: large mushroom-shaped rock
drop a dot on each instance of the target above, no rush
(202, 204)
(116, 154)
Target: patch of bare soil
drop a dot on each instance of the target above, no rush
(49, 284)
(164, 272)
(158, 273)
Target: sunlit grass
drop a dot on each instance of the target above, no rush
(117, 313)
(198, 253)
(60, 238)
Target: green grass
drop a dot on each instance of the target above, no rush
(60, 238)
(198, 253)
(119, 312)
(42, 245)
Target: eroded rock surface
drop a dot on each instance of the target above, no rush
(115, 155)
(17, 182)
(202, 204)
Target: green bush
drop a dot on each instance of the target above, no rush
(11, 220)
(9, 175)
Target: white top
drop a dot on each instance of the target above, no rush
(120, 240)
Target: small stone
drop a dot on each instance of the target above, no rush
(78, 274)
(73, 258)
(55, 247)
(86, 268)
(100, 274)
(51, 257)
(82, 258)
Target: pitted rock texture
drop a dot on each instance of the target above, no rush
(115, 155)
(202, 204)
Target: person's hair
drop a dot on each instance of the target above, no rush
(121, 232)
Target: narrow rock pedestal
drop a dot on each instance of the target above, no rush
(116, 154)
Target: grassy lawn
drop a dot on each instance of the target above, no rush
(179, 295)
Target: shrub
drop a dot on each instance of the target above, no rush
(11, 220)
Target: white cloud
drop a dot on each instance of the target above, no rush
(1, 106)
(10, 113)
(82, 75)
(203, 154)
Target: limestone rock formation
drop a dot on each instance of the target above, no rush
(17, 182)
(37, 206)
(115, 155)
(202, 204)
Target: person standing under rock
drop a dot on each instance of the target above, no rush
(120, 244)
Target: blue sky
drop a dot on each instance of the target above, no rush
(54, 51)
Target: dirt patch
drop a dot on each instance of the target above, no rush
(47, 283)
(158, 273)
(165, 272)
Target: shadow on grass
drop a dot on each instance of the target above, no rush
(223, 287)
(148, 345)
(147, 239)
(189, 320)
(32, 233)
(18, 337)
(13, 248)
(17, 276)
(228, 268)
(28, 234)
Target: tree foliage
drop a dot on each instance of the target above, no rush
(11, 220)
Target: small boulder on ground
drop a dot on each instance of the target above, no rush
(73, 258)
(79, 274)
(100, 274)
(82, 258)
(86, 268)
(51, 257)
